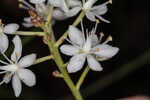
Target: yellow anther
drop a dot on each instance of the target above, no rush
(97, 21)
(102, 34)
(9, 75)
(0, 21)
(80, 51)
(20, 0)
(97, 49)
(20, 5)
(110, 1)
(110, 38)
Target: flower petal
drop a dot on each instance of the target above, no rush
(105, 51)
(16, 84)
(11, 28)
(3, 43)
(75, 35)
(76, 63)
(69, 50)
(27, 61)
(56, 3)
(17, 50)
(27, 77)
(7, 77)
(73, 3)
(73, 11)
(100, 9)
(94, 64)
(37, 1)
(28, 25)
(59, 14)
(90, 16)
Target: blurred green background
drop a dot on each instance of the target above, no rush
(126, 74)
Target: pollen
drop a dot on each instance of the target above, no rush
(97, 49)
(110, 38)
(80, 51)
(9, 75)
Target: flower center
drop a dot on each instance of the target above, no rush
(14, 67)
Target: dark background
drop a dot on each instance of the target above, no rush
(130, 30)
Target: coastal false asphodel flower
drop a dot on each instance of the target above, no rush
(87, 6)
(89, 48)
(6, 29)
(15, 68)
(42, 10)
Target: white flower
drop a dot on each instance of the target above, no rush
(42, 9)
(89, 48)
(91, 11)
(15, 69)
(8, 29)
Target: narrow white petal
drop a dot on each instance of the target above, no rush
(17, 50)
(3, 43)
(37, 1)
(27, 19)
(16, 84)
(56, 3)
(11, 28)
(105, 51)
(89, 4)
(73, 3)
(69, 50)
(90, 16)
(100, 10)
(27, 77)
(73, 11)
(10, 68)
(59, 14)
(76, 36)
(28, 25)
(76, 63)
(101, 18)
(27, 61)
(93, 64)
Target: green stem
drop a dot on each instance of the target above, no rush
(29, 33)
(39, 60)
(49, 36)
(82, 77)
(76, 22)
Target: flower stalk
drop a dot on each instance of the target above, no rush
(82, 77)
(29, 33)
(42, 59)
(49, 36)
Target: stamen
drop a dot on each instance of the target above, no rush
(82, 29)
(27, 4)
(95, 28)
(3, 72)
(23, 7)
(3, 62)
(108, 39)
(2, 82)
(101, 36)
(7, 58)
